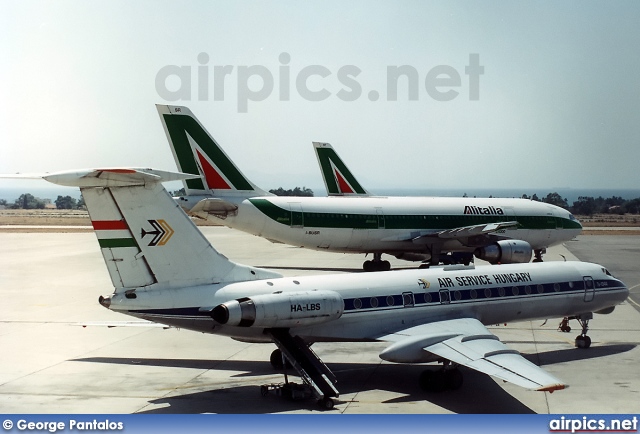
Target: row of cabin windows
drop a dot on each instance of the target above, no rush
(457, 295)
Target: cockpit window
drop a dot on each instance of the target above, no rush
(571, 217)
(606, 272)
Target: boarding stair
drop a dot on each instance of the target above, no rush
(313, 372)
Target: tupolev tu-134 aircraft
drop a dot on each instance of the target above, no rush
(164, 270)
(409, 228)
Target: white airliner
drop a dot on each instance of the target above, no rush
(410, 228)
(164, 270)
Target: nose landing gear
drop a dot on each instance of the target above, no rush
(582, 340)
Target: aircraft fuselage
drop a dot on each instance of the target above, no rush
(392, 224)
(376, 305)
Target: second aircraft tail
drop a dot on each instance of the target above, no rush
(197, 152)
(338, 179)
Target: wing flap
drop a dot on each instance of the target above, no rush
(470, 231)
(454, 233)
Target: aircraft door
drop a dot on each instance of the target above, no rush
(380, 215)
(589, 289)
(407, 299)
(297, 217)
(551, 223)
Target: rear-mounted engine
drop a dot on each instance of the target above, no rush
(283, 309)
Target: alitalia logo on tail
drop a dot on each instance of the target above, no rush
(478, 210)
(162, 233)
(343, 185)
(213, 177)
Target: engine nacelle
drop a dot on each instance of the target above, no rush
(410, 256)
(505, 252)
(281, 309)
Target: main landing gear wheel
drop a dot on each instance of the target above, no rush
(538, 255)
(377, 264)
(277, 360)
(441, 380)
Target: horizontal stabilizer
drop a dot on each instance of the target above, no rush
(113, 177)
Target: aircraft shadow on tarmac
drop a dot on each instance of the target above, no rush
(479, 393)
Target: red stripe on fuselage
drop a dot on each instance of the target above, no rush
(109, 225)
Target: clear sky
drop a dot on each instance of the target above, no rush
(557, 103)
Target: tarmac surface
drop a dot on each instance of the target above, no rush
(50, 283)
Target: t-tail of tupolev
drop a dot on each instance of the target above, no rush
(338, 179)
(145, 238)
(197, 152)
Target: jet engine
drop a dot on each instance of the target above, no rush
(280, 309)
(410, 256)
(505, 252)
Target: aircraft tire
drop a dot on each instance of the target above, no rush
(368, 266)
(385, 266)
(583, 342)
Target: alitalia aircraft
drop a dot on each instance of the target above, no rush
(164, 270)
(410, 228)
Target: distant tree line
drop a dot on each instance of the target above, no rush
(587, 205)
(304, 191)
(29, 201)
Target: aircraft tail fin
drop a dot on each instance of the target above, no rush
(338, 179)
(197, 152)
(145, 238)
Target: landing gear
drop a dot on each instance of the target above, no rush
(582, 340)
(377, 264)
(441, 379)
(538, 255)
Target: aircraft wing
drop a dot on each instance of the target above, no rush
(469, 231)
(468, 343)
(457, 233)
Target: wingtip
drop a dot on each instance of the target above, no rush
(552, 388)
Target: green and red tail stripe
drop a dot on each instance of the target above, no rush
(113, 233)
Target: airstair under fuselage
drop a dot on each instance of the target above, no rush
(313, 372)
